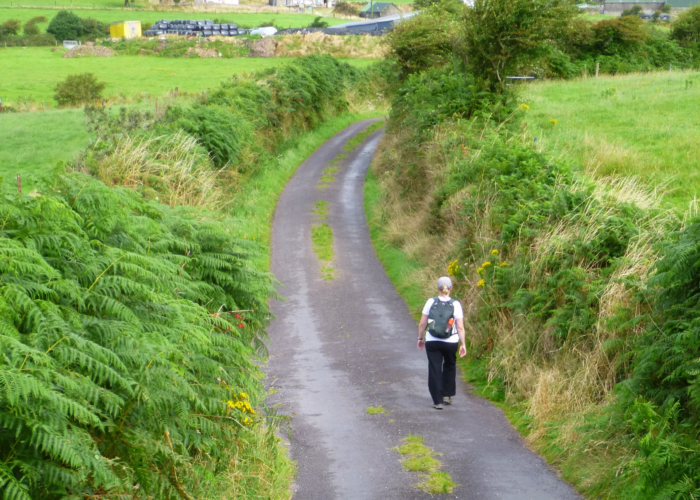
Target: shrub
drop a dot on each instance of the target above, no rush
(686, 29)
(635, 10)
(619, 35)
(346, 9)
(421, 42)
(65, 26)
(10, 27)
(78, 89)
(31, 28)
(318, 23)
(506, 37)
(91, 29)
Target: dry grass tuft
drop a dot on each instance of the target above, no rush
(172, 168)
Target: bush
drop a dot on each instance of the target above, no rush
(346, 9)
(31, 28)
(10, 27)
(635, 10)
(318, 23)
(501, 38)
(686, 29)
(423, 41)
(78, 89)
(619, 35)
(65, 26)
(41, 40)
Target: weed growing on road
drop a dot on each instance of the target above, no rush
(359, 138)
(327, 177)
(420, 458)
(375, 410)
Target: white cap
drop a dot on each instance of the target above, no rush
(444, 281)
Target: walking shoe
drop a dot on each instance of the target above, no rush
(438, 406)
(447, 400)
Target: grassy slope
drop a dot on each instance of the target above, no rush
(124, 75)
(648, 128)
(109, 16)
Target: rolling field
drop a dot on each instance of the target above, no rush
(243, 19)
(33, 142)
(124, 75)
(636, 125)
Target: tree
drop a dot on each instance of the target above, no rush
(504, 37)
(620, 34)
(10, 27)
(78, 89)
(423, 41)
(635, 10)
(686, 29)
(31, 28)
(65, 26)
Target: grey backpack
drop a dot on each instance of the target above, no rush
(439, 324)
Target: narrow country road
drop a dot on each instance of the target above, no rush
(338, 346)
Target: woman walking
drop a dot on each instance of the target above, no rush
(445, 321)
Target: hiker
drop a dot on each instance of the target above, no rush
(445, 321)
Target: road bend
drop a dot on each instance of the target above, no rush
(338, 346)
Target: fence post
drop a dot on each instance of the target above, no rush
(597, 69)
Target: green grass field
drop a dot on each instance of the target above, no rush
(112, 16)
(32, 73)
(33, 142)
(635, 125)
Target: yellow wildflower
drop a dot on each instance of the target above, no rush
(481, 283)
(503, 264)
(553, 121)
(486, 264)
(480, 270)
(524, 106)
(452, 268)
(494, 252)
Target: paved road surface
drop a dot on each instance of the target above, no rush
(340, 346)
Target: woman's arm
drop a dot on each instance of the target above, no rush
(462, 341)
(421, 330)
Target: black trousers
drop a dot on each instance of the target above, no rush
(442, 369)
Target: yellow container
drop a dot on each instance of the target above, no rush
(126, 30)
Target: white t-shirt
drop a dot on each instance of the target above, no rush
(459, 314)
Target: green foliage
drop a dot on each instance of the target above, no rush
(65, 26)
(423, 41)
(432, 96)
(686, 29)
(502, 38)
(31, 28)
(635, 10)
(616, 35)
(110, 303)
(318, 23)
(346, 9)
(10, 27)
(78, 89)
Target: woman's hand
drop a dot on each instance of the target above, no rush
(462, 350)
(421, 343)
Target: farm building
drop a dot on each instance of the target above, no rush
(302, 3)
(379, 9)
(616, 7)
(126, 30)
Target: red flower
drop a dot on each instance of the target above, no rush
(241, 325)
(237, 315)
